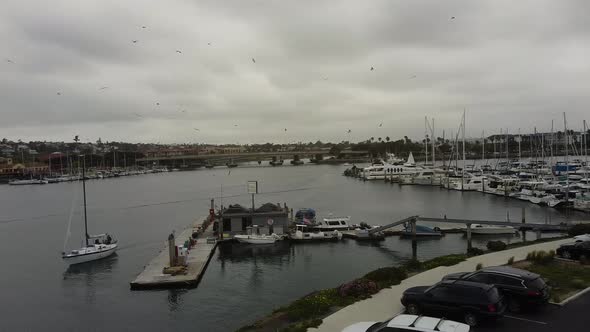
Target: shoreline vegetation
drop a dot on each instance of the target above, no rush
(309, 310)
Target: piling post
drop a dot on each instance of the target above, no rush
(414, 242)
(523, 221)
(171, 250)
(468, 236)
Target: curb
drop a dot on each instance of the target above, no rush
(571, 298)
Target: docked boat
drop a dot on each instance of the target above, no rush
(276, 163)
(96, 246)
(307, 233)
(27, 182)
(468, 183)
(422, 231)
(334, 223)
(490, 229)
(257, 239)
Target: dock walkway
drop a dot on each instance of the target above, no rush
(153, 277)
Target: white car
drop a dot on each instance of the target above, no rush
(409, 323)
(582, 238)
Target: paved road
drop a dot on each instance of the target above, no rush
(571, 317)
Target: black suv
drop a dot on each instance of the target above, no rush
(578, 250)
(473, 301)
(521, 288)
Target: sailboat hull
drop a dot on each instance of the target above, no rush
(72, 259)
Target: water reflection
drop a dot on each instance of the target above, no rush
(91, 270)
(175, 298)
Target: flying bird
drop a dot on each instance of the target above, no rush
(157, 104)
(134, 41)
(381, 124)
(178, 51)
(9, 61)
(372, 68)
(413, 77)
(138, 115)
(235, 125)
(285, 129)
(143, 27)
(349, 131)
(253, 60)
(103, 88)
(209, 44)
(196, 129)
(59, 93)
(452, 17)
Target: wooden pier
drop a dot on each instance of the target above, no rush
(198, 258)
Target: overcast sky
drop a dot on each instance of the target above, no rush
(511, 64)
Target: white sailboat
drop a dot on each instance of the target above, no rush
(96, 246)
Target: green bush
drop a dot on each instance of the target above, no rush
(387, 276)
(578, 283)
(447, 260)
(496, 245)
(313, 305)
(541, 257)
(579, 229)
(511, 260)
(474, 251)
(413, 265)
(479, 266)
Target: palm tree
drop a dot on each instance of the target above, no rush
(379, 139)
(406, 139)
(372, 139)
(387, 138)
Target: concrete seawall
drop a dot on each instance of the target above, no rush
(386, 303)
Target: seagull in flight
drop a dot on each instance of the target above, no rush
(209, 44)
(381, 124)
(134, 41)
(372, 68)
(157, 104)
(103, 88)
(235, 125)
(413, 77)
(143, 27)
(349, 131)
(178, 51)
(452, 17)
(285, 129)
(59, 93)
(196, 129)
(9, 61)
(253, 60)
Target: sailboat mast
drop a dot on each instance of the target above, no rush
(586, 148)
(425, 140)
(567, 167)
(551, 146)
(519, 152)
(433, 142)
(464, 163)
(483, 147)
(84, 191)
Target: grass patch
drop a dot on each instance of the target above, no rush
(564, 278)
(528, 243)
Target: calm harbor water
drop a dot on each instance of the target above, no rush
(242, 282)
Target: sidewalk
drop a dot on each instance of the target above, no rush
(386, 303)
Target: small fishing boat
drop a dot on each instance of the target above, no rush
(422, 231)
(27, 182)
(490, 229)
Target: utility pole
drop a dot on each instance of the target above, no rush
(567, 166)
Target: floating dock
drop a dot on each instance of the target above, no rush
(198, 258)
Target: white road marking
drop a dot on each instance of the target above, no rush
(526, 320)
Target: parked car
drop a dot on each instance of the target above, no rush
(402, 323)
(521, 288)
(582, 238)
(577, 250)
(472, 301)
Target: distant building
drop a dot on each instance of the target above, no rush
(269, 218)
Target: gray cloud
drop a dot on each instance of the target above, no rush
(510, 64)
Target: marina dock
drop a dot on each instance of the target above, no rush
(198, 258)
